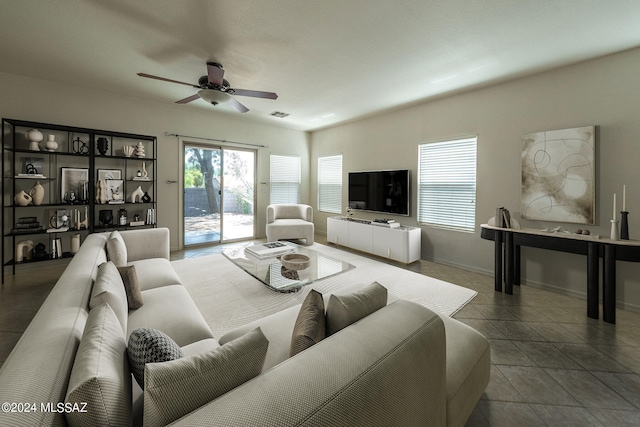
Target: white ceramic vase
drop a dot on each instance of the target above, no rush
(137, 194)
(22, 199)
(37, 193)
(34, 136)
(51, 144)
(127, 150)
(75, 243)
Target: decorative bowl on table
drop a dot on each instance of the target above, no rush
(295, 261)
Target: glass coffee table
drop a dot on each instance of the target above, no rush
(270, 271)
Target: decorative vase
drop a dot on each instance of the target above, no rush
(140, 150)
(22, 199)
(51, 143)
(106, 216)
(103, 146)
(137, 194)
(39, 252)
(24, 251)
(75, 243)
(83, 191)
(144, 173)
(34, 136)
(101, 192)
(37, 193)
(146, 198)
(127, 150)
(122, 214)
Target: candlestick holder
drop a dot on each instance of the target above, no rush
(624, 226)
(614, 230)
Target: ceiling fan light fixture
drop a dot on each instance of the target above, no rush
(213, 96)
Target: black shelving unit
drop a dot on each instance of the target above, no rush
(78, 155)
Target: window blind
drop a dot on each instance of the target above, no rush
(330, 184)
(447, 184)
(285, 179)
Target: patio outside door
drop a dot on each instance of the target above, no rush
(218, 194)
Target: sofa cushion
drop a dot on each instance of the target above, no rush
(343, 310)
(131, 286)
(150, 346)
(108, 288)
(175, 388)
(116, 249)
(468, 369)
(155, 272)
(100, 374)
(171, 310)
(309, 328)
(277, 327)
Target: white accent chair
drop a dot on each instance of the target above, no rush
(290, 221)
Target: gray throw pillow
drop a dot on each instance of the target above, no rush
(175, 388)
(343, 310)
(131, 286)
(309, 328)
(150, 346)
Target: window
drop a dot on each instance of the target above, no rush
(285, 179)
(330, 184)
(447, 184)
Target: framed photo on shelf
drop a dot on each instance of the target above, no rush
(115, 191)
(109, 174)
(70, 182)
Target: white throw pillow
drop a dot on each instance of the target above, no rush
(175, 388)
(100, 377)
(116, 249)
(109, 289)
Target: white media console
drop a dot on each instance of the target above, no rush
(401, 244)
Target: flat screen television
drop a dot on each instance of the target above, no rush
(380, 191)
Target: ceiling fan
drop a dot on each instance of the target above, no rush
(215, 89)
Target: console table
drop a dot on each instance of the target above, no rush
(594, 248)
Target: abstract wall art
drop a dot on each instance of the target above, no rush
(558, 176)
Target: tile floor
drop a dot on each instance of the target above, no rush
(551, 365)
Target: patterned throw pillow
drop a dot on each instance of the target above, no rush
(150, 346)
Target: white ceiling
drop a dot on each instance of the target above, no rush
(329, 61)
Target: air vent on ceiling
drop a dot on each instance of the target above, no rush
(279, 114)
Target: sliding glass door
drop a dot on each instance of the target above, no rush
(239, 196)
(218, 194)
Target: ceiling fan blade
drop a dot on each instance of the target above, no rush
(215, 73)
(254, 93)
(188, 99)
(235, 104)
(149, 76)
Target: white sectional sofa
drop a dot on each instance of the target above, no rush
(402, 365)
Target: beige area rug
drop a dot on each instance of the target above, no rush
(228, 297)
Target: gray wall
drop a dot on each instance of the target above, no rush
(41, 101)
(603, 92)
